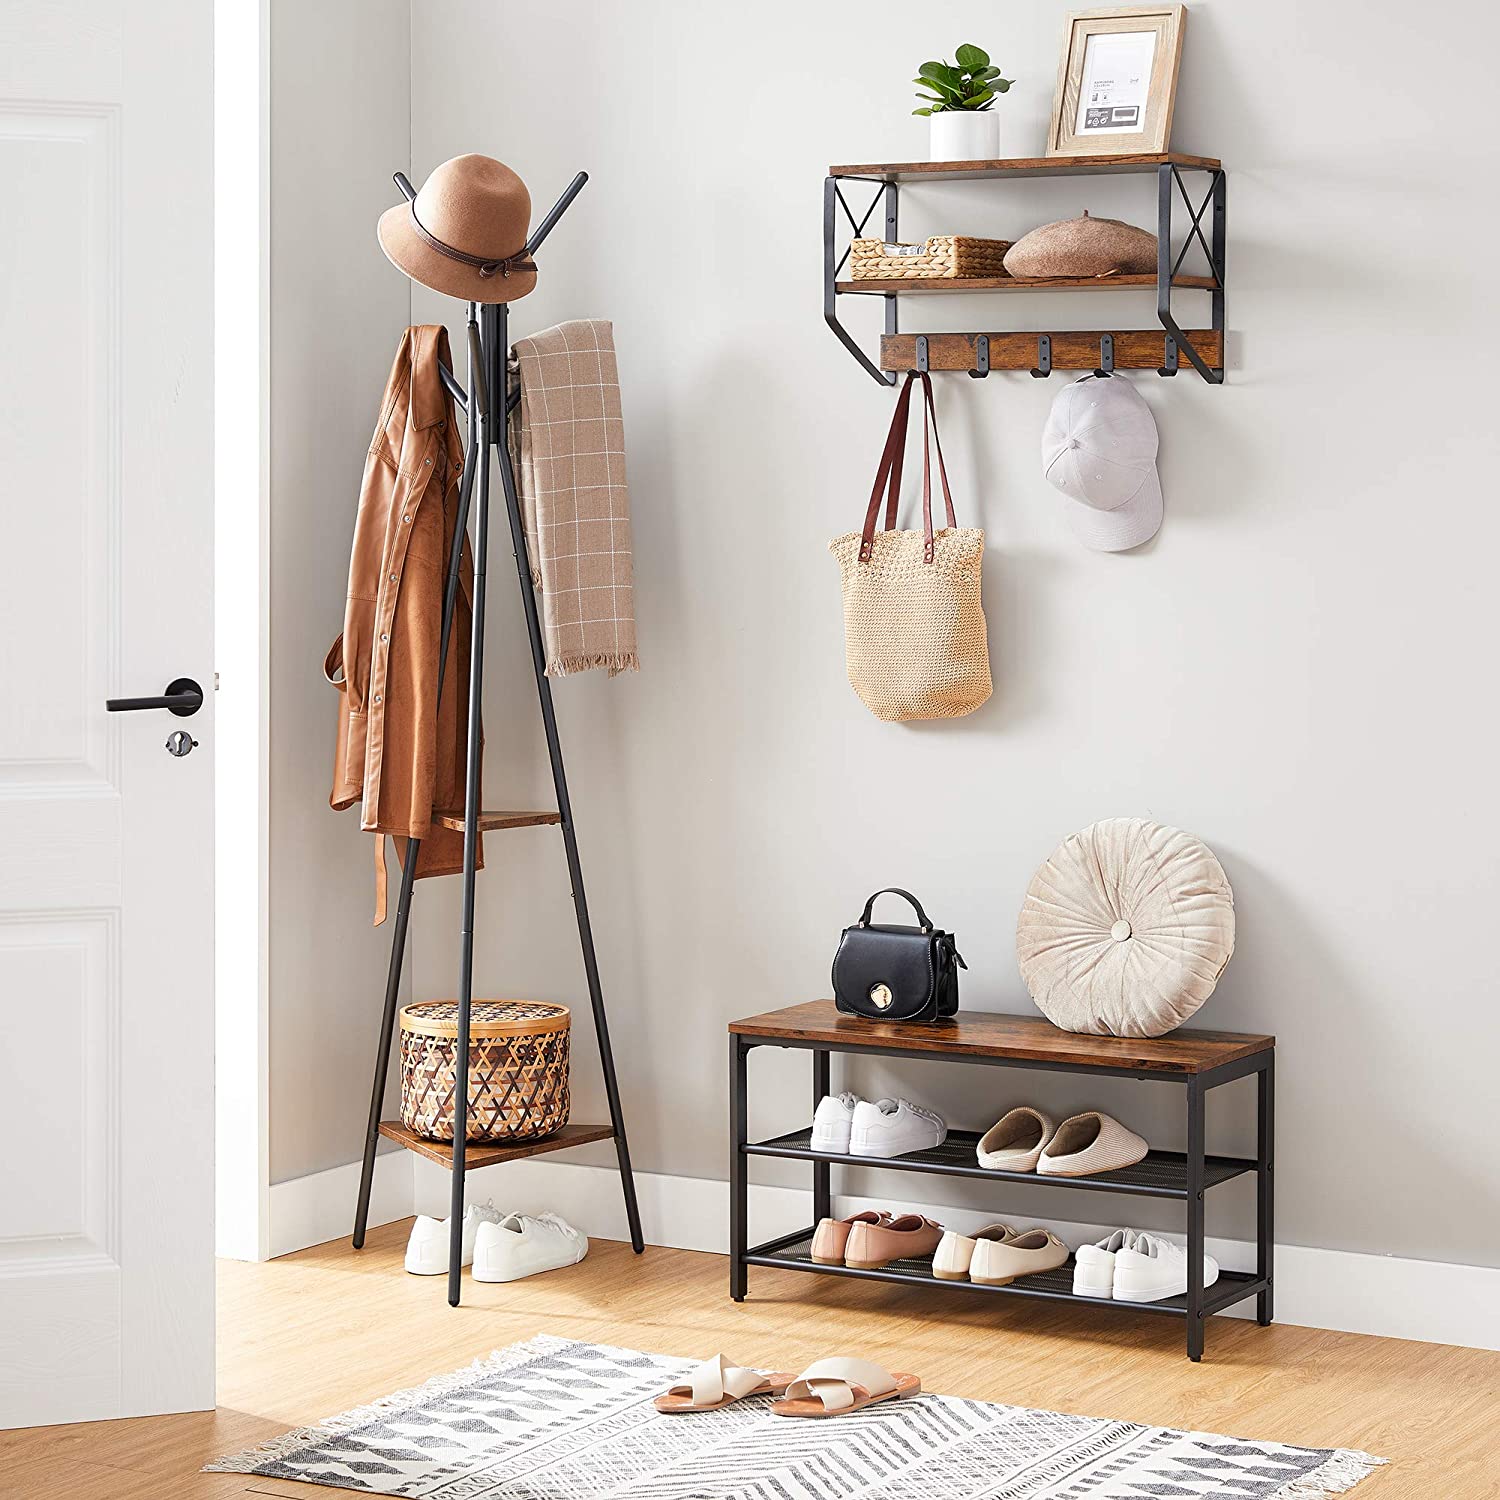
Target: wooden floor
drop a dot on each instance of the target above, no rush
(312, 1334)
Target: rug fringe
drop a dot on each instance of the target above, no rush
(1344, 1469)
(250, 1460)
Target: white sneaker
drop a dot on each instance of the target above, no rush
(521, 1245)
(427, 1249)
(1152, 1268)
(892, 1127)
(1094, 1265)
(832, 1121)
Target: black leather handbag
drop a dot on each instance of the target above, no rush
(889, 973)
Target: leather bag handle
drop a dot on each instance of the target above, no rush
(888, 475)
(895, 890)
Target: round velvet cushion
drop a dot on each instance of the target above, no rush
(1082, 247)
(1126, 929)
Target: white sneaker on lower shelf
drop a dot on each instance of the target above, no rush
(1094, 1265)
(892, 1127)
(522, 1245)
(832, 1121)
(1153, 1268)
(427, 1249)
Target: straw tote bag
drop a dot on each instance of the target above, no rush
(914, 636)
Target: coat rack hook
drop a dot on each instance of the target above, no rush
(1106, 356)
(981, 357)
(1043, 357)
(922, 353)
(1169, 359)
(403, 182)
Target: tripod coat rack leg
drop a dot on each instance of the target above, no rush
(488, 403)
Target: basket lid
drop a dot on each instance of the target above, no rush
(486, 1017)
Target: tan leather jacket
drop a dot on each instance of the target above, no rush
(401, 753)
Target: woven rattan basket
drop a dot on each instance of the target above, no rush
(518, 1069)
(943, 257)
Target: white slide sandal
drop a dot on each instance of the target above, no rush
(837, 1387)
(716, 1383)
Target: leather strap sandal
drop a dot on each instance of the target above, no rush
(836, 1387)
(716, 1383)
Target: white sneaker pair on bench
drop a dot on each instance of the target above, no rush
(844, 1125)
(1133, 1266)
(499, 1247)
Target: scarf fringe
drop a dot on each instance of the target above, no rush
(1344, 1469)
(615, 661)
(252, 1460)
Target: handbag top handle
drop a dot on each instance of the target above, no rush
(888, 475)
(895, 890)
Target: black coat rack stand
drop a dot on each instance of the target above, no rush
(487, 403)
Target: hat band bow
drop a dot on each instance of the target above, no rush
(520, 261)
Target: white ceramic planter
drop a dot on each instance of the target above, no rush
(965, 135)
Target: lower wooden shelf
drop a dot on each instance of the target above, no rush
(490, 821)
(480, 1155)
(795, 1254)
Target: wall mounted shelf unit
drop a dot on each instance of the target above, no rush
(1102, 350)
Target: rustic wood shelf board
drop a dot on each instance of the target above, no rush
(977, 1033)
(1025, 166)
(873, 288)
(490, 821)
(1135, 349)
(478, 1154)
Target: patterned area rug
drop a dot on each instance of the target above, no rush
(553, 1419)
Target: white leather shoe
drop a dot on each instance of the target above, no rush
(1152, 1268)
(522, 1245)
(892, 1127)
(1094, 1265)
(427, 1249)
(832, 1121)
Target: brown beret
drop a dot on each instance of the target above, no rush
(1082, 247)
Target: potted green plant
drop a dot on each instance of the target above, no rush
(960, 97)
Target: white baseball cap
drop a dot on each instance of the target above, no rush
(1099, 449)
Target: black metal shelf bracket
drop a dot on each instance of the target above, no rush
(1169, 187)
(833, 200)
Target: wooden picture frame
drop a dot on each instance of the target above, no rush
(1107, 54)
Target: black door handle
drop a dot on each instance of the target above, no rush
(183, 697)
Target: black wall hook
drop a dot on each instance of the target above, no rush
(981, 357)
(922, 353)
(1043, 357)
(1106, 356)
(1168, 365)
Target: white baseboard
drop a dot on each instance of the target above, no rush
(312, 1210)
(1338, 1289)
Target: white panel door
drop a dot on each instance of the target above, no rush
(106, 839)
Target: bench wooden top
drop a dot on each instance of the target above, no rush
(976, 1033)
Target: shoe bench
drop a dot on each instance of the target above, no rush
(1195, 1061)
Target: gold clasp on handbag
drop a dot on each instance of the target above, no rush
(880, 996)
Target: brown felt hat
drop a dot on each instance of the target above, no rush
(1083, 247)
(466, 232)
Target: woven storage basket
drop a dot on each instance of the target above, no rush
(518, 1069)
(942, 257)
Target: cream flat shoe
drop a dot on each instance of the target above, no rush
(1089, 1143)
(1016, 1141)
(998, 1263)
(955, 1251)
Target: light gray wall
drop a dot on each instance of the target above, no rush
(339, 117)
(1298, 669)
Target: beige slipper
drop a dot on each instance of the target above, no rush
(1089, 1143)
(836, 1387)
(1016, 1141)
(716, 1383)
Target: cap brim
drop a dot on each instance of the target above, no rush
(1127, 526)
(409, 253)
